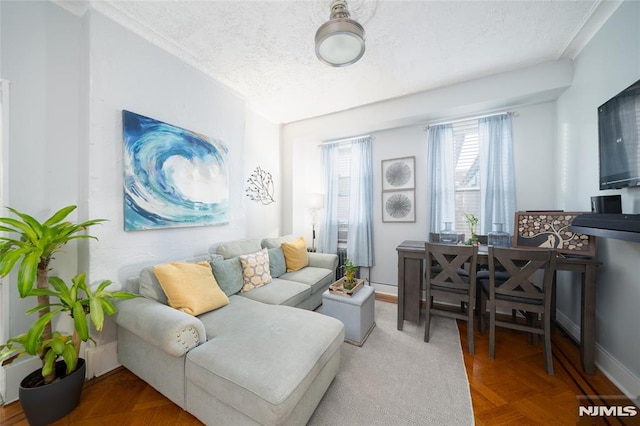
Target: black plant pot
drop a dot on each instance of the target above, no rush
(47, 403)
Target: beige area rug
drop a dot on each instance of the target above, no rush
(396, 378)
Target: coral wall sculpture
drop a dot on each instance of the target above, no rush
(260, 187)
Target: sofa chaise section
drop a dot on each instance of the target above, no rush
(271, 364)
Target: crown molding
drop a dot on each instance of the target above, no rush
(77, 7)
(602, 11)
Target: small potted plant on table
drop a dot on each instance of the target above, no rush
(350, 270)
(472, 222)
(53, 391)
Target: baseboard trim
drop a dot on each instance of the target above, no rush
(619, 375)
(384, 288)
(386, 297)
(101, 359)
(15, 372)
(568, 326)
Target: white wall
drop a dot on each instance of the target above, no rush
(608, 64)
(43, 70)
(42, 60)
(398, 130)
(262, 149)
(71, 77)
(147, 80)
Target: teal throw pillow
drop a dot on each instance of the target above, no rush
(228, 274)
(277, 265)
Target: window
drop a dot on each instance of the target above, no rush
(344, 190)
(467, 172)
(470, 169)
(348, 181)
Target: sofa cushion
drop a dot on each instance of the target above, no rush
(264, 360)
(295, 254)
(190, 287)
(275, 242)
(277, 264)
(317, 278)
(255, 270)
(236, 248)
(280, 292)
(150, 287)
(228, 274)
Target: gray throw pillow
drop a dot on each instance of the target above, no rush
(277, 264)
(150, 286)
(228, 274)
(276, 242)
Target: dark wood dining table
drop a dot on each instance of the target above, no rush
(411, 254)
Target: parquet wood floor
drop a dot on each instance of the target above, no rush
(513, 389)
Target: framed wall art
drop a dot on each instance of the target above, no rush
(399, 206)
(398, 173)
(173, 177)
(550, 229)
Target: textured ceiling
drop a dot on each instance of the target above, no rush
(264, 50)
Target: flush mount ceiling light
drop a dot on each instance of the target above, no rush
(340, 41)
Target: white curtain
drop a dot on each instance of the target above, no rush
(360, 240)
(441, 173)
(497, 177)
(328, 235)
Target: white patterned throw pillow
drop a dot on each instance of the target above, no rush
(255, 270)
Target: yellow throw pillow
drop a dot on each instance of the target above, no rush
(190, 287)
(255, 270)
(295, 254)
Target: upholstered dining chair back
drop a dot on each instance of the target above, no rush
(513, 283)
(450, 277)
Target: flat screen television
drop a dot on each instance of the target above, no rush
(619, 139)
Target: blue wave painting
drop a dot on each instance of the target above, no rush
(172, 177)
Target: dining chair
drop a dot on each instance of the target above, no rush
(513, 284)
(434, 237)
(450, 277)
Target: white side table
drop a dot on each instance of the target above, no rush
(356, 312)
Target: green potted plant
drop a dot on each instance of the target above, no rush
(32, 245)
(350, 270)
(472, 222)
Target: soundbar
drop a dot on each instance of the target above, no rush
(618, 226)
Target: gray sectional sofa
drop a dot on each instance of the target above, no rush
(261, 359)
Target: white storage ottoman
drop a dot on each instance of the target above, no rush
(356, 312)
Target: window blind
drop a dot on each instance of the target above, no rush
(467, 172)
(344, 189)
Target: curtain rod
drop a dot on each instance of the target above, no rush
(474, 117)
(334, 141)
